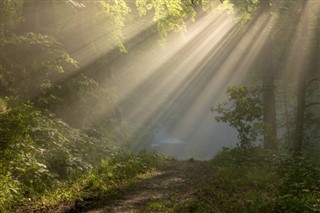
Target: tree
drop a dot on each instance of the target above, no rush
(261, 9)
(268, 75)
(308, 71)
(243, 111)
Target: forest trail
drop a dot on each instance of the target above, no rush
(161, 190)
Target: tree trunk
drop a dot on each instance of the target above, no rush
(268, 73)
(301, 102)
(301, 88)
(310, 62)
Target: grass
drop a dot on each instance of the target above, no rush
(159, 206)
(256, 180)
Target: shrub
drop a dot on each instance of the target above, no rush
(243, 111)
(300, 188)
(37, 150)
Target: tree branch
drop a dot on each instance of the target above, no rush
(312, 104)
(312, 81)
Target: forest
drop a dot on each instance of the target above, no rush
(160, 106)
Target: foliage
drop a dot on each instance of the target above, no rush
(31, 62)
(125, 165)
(214, 6)
(169, 15)
(52, 142)
(105, 181)
(299, 190)
(114, 13)
(240, 181)
(10, 15)
(10, 191)
(157, 206)
(257, 180)
(37, 149)
(83, 104)
(243, 111)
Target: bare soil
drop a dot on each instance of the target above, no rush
(159, 191)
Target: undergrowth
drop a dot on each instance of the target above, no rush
(257, 180)
(105, 181)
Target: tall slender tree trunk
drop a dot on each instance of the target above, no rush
(301, 87)
(301, 102)
(310, 61)
(286, 111)
(268, 74)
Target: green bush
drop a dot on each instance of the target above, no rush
(258, 180)
(10, 191)
(37, 150)
(39, 153)
(32, 62)
(103, 182)
(242, 111)
(242, 180)
(300, 188)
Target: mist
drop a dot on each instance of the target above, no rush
(172, 88)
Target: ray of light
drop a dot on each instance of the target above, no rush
(176, 87)
(189, 80)
(178, 77)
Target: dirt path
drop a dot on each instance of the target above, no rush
(160, 191)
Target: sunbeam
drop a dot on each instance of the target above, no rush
(159, 106)
(171, 88)
(174, 87)
(182, 82)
